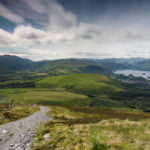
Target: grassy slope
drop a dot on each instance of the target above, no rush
(94, 129)
(48, 97)
(80, 83)
(100, 87)
(68, 66)
(70, 90)
(43, 96)
(102, 90)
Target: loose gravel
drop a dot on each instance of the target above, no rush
(17, 135)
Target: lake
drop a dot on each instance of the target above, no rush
(135, 73)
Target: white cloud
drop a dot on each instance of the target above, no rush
(44, 54)
(64, 37)
(10, 15)
(59, 21)
(28, 35)
(37, 5)
(59, 18)
(7, 38)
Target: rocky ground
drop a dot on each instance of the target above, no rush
(17, 135)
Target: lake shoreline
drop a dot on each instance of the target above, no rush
(135, 73)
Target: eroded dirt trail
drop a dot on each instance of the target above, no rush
(17, 135)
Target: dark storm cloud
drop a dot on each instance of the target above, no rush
(23, 10)
(91, 9)
(114, 12)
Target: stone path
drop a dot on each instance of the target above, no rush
(17, 135)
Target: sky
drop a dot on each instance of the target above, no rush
(56, 29)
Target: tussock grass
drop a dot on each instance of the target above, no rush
(108, 134)
(17, 112)
(103, 113)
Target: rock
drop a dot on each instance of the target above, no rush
(142, 143)
(11, 145)
(28, 144)
(46, 136)
(20, 148)
(5, 131)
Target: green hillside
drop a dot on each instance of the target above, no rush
(143, 65)
(89, 84)
(98, 88)
(69, 90)
(43, 96)
(92, 90)
(10, 64)
(68, 66)
(13, 64)
(52, 97)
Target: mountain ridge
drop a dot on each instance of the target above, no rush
(12, 64)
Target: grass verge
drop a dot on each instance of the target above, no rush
(18, 112)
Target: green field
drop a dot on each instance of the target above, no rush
(81, 83)
(68, 90)
(92, 90)
(43, 96)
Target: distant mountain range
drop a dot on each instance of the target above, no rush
(11, 64)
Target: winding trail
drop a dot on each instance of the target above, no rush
(17, 135)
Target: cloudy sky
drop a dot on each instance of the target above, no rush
(54, 29)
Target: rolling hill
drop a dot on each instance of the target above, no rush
(11, 64)
(101, 90)
(86, 89)
(143, 65)
(70, 90)
(98, 88)
(89, 84)
(118, 63)
(67, 66)
(100, 66)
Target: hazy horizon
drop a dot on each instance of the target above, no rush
(61, 29)
(81, 58)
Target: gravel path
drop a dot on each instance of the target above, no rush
(17, 135)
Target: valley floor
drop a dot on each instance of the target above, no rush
(17, 135)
